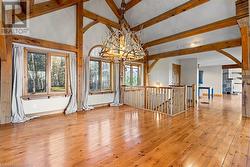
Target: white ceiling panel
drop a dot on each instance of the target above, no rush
(210, 12)
(198, 40)
(148, 9)
(207, 13)
(101, 8)
(214, 58)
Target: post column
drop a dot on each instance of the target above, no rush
(242, 13)
(79, 45)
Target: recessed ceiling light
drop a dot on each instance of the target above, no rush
(194, 44)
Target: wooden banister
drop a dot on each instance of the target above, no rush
(171, 100)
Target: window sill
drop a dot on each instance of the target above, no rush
(44, 96)
(101, 92)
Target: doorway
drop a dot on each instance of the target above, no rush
(176, 76)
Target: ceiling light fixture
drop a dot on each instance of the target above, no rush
(122, 44)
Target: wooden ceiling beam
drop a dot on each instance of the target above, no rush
(42, 43)
(114, 8)
(88, 26)
(203, 29)
(62, 1)
(199, 49)
(46, 7)
(242, 9)
(151, 66)
(100, 19)
(229, 56)
(173, 12)
(230, 66)
(131, 4)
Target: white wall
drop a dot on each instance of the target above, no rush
(94, 36)
(162, 72)
(189, 71)
(213, 77)
(45, 105)
(58, 26)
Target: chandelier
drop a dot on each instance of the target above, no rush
(122, 44)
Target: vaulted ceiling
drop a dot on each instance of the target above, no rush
(203, 14)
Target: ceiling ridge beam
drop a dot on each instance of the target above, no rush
(229, 56)
(204, 48)
(114, 8)
(100, 19)
(173, 12)
(131, 4)
(203, 29)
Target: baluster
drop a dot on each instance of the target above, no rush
(151, 99)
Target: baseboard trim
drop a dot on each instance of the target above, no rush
(101, 105)
(47, 113)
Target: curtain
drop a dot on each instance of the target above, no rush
(116, 101)
(17, 112)
(72, 106)
(86, 78)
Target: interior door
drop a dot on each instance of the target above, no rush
(176, 76)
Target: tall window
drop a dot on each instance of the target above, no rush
(58, 74)
(100, 76)
(132, 75)
(36, 68)
(201, 77)
(45, 73)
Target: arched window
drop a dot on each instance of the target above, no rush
(101, 72)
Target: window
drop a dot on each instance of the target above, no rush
(36, 72)
(45, 73)
(100, 76)
(132, 75)
(201, 77)
(58, 74)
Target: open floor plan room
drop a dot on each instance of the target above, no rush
(124, 83)
(214, 135)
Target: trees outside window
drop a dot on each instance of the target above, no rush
(58, 74)
(100, 76)
(36, 72)
(132, 75)
(45, 73)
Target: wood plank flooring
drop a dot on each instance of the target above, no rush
(214, 135)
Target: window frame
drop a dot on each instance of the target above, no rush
(49, 92)
(131, 73)
(103, 91)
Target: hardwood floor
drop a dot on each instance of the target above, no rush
(216, 135)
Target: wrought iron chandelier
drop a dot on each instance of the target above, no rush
(122, 44)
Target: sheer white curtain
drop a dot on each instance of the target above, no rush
(86, 107)
(72, 106)
(116, 101)
(17, 112)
